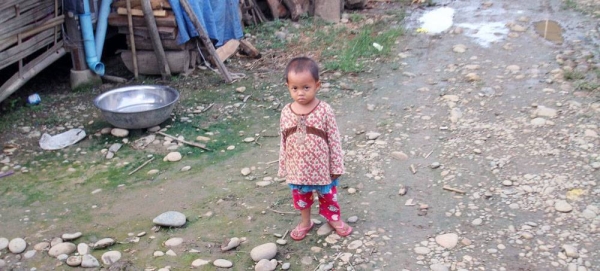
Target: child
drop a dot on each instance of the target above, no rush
(310, 156)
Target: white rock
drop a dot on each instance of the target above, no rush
(17, 245)
(477, 222)
(373, 135)
(352, 219)
(285, 266)
(422, 250)
(450, 98)
(222, 263)
(170, 252)
(62, 248)
(570, 251)
(158, 253)
(513, 68)
(399, 155)
(153, 172)
(29, 254)
(111, 257)
(547, 112)
(62, 257)
(266, 265)
(538, 121)
(459, 48)
(240, 89)
(186, 168)
(154, 129)
(88, 261)
(105, 242)
(202, 138)
(173, 157)
(448, 240)
(170, 219)
(83, 248)
(173, 242)
(118, 132)
(281, 241)
(263, 183)
(324, 230)
(74, 261)
(355, 244)
(563, 206)
(264, 251)
(438, 267)
(3, 243)
(199, 262)
(71, 236)
(233, 243)
(248, 139)
(41, 246)
(246, 171)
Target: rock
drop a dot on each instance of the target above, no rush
(459, 48)
(71, 236)
(422, 250)
(450, 98)
(399, 155)
(29, 254)
(62, 248)
(518, 28)
(590, 133)
(113, 148)
(355, 244)
(263, 183)
(158, 254)
(199, 262)
(266, 265)
(352, 219)
(202, 138)
(264, 251)
(62, 257)
(170, 252)
(448, 240)
(372, 135)
(563, 206)
(570, 251)
(435, 165)
(17, 245)
(102, 243)
(41, 246)
(248, 139)
(324, 230)
(351, 190)
(471, 77)
(105, 130)
(172, 157)
(186, 168)
(170, 219)
(543, 111)
(240, 89)
(538, 122)
(118, 132)
(83, 248)
(74, 261)
(477, 222)
(3, 243)
(154, 129)
(285, 266)
(281, 242)
(173, 242)
(222, 263)
(438, 267)
(111, 257)
(513, 68)
(233, 243)
(89, 261)
(246, 171)
(230, 148)
(153, 172)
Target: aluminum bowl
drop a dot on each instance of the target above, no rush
(137, 107)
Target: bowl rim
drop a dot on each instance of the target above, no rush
(129, 88)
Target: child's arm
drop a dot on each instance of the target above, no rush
(336, 156)
(282, 171)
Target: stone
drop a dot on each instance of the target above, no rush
(240, 89)
(170, 252)
(547, 112)
(352, 219)
(83, 248)
(154, 129)
(41, 246)
(246, 171)
(513, 68)
(105, 130)
(233, 243)
(570, 251)
(222, 263)
(62, 248)
(264, 251)
(281, 242)
(266, 265)
(71, 236)
(477, 222)
(448, 240)
(563, 206)
(89, 261)
(3, 243)
(199, 262)
(202, 138)
(173, 242)
(104, 242)
(153, 172)
(399, 155)
(422, 250)
(111, 257)
(113, 148)
(471, 77)
(118, 132)
(459, 48)
(351, 190)
(173, 157)
(538, 121)
(324, 230)
(186, 168)
(170, 219)
(29, 254)
(450, 98)
(355, 244)
(248, 139)
(372, 135)
(285, 266)
(74, 261)
(62, 257)
(438, 267)
(158, 253)
(263, 183)
(518, 28)
(17, 245)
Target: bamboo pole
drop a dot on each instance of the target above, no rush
(206, 40)
(154, 36)
(132, 39)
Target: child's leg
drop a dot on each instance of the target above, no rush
(303, 202)
(330, 209)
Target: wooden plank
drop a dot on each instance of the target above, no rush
(24, 5)
(165, 32)
(156, 4)
(148, 64)
(11, 13)
(115, 19)
(26, 21)
(228, 49)
(26, 48)
(6, 43)
(249, 49)
(140, 13)
(146, 44)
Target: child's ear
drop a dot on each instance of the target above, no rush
(319, 84)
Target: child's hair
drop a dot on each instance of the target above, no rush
(302, 64)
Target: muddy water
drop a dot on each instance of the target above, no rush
(549, 30)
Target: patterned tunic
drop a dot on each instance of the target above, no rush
(310, 149)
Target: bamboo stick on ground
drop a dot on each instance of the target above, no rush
(185, 142)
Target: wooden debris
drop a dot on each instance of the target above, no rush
(249, 49)
(140, 167)
(6, 174)
(228, 49)
(445, 187)
(115, 79)
(156, 4)
(115, 19)
(185, 142)
(413, 169)
(140, 13)
(280, 212)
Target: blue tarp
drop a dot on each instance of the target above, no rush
(220, 19)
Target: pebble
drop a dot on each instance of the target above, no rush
(538, 121)
(248, 139)
(154, 129)
(324, 230)
(173, 242)
(89, 261)
(118, 132)
(186, 168)
(372, 135)
(399, 155)
(438, 267)
(233, 243)
(246, 171)
(264, 251)
(230, 148)
(62, 248)
(170, 219)
(29, 254)
(104, 242)
(3, 243)
(83, 248)
(351, 190)
(285, 266)
(111, 257)
(352, 219)
(266, 265)
(240, 89)
(222, 263)
(477, 222)
(17, 245)
(171, 253)
(355, 244)
(448, 240)
(74, 260)
(563, 206)
(41, 246)
(570, 251)
(71, 236)
(263, 183)
(281, 242)
(173, 157)
(459, 48)
(547, 112)
(199, 262)
(158, 253)
(422, 250)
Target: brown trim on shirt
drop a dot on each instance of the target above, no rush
(309, 130)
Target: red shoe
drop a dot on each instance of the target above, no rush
(299, 233)
(343, 229)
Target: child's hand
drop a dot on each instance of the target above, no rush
(335, 176)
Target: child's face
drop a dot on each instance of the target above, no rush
(303, 87)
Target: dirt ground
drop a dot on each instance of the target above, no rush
(488, 141)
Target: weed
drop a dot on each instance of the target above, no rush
(356, 17)
(584, 85)
(573, 75)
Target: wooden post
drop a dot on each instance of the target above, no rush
(75, 42)
(157, 45)
(206, 40)
(132, 39)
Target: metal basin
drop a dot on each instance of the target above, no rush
(137, 107)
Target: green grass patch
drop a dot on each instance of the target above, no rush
(573, 75)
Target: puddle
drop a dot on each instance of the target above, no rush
(549, 30)
(437, 20)
(485, 33)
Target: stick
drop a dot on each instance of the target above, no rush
(280, 212)
(428, 154)
(207, 108)
(140, 167)
(445, 187)
(285, 234)
(132, 39)
(155, 37)
(413, 169)
(206, 40)
(115, 79)
(185, 142)
(273, 162)
(6, 174)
